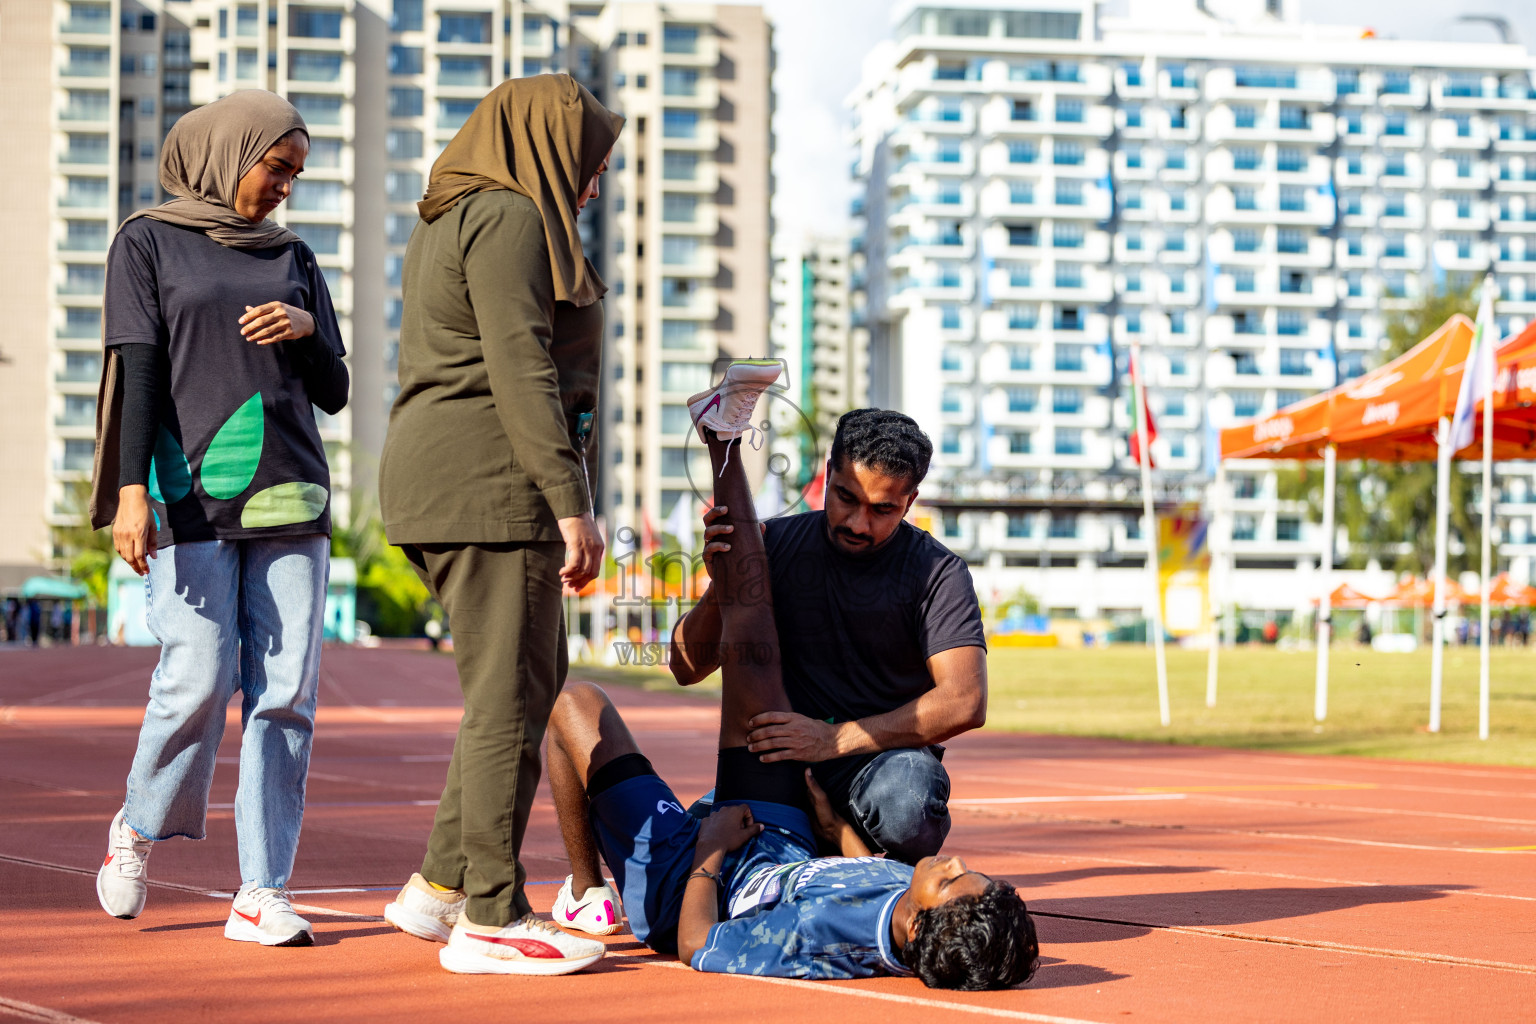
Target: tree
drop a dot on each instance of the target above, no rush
(390, 596)
(88, 553)
(1387, 509)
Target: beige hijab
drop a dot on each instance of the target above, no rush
(542, 137)
(205, 155)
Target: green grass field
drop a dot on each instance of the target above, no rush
(1378, 703)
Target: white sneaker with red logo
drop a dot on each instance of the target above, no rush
(727, 408)
(264, 915)
(529, 946)
(120, 883)
(596, 913)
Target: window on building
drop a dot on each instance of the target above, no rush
(1019, 522)
(1067, 153)
(401, 144)
(1069, 358)
(1069, 441)
(679, 82)
(314, 66)
(324, 239)
(405, 60)
(473, 72)
(1066, 401)
(464, 28)
(405, 102)
(403, 186)
(1069, 110)
(314, 22)
(406, 16)
(1066, 234)
(1287, 528)
(680, 39)
(1023, 151)
(1175, 159)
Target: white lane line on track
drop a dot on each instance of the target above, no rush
(1383, 786)
(31, 1011)
(822, 988)
(1283, 940)
(1063, 858)
(1104, 798)
(1223, 797)
(1305, 837)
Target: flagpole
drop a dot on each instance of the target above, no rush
(1325, 602)
(1212, 532)
(1149, 512)
(1442, 540)
(1485, 362)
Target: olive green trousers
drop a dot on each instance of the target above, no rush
(507, 621)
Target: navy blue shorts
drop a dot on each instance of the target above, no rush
(647, 840)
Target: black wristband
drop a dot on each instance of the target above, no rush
(701, 873)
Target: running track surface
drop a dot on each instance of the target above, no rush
(1169, 883)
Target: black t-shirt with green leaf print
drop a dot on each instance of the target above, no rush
(237, 452)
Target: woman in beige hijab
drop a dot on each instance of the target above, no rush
(220, 336)
(484, 483)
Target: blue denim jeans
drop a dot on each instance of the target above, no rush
(899, 802)
(246, 616)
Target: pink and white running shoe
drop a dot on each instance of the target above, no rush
(598, 912)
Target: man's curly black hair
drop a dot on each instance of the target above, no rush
(975, 942)
(887, 441)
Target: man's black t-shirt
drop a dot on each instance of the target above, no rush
(856, 631)
(238, 453)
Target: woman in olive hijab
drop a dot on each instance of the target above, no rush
(484, 484)
(220, 336)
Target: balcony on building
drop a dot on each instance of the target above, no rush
(87, 19)
(87, 62)
(1401, 87)
(692, 45)
(1459, 171)
(1257, 83)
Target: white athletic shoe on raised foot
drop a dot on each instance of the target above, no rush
(529, 946)
(425, 912)
(264, 915)
(596, 913)
(120, 884)
(727, 407)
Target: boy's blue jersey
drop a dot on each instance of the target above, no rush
(823, 918)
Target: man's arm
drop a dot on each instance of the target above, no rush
(696, 641)
(727, 829)
(957, 703)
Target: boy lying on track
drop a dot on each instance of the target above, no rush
(743, 891)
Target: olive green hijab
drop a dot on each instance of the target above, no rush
(542, 137)
(207, 152)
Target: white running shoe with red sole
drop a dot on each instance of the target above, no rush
(529, 946)
(598, 912)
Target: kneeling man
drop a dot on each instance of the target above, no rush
(743, 892)
(884, 653)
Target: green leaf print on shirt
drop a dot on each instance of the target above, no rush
(170, 478)
(230, 462)
(293, 502)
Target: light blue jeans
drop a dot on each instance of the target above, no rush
(246, 616)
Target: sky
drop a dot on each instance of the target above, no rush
(821, 46)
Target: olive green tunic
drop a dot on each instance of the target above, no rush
(480, 447)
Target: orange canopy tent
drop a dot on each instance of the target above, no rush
(1390, 413)
(1394, 414)
(1506, 593)
(1346, 596)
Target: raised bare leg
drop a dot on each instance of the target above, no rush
(586, 732)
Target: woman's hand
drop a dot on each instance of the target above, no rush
(272, 322)
(132, 533)
(583, 550)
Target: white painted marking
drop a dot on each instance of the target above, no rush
(1068, 799)
(31, 1011)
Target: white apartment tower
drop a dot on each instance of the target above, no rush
(1245, 194)
(681, 233)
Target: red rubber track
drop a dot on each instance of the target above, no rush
(1169, 883)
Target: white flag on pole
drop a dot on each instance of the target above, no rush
(1477, 376)
(680, 524)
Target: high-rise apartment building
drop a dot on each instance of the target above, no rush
(1246, 195)
(681, 233)
(828, 370)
